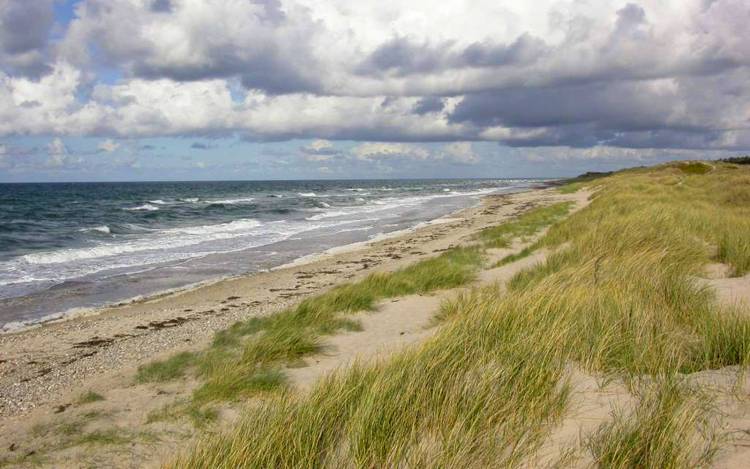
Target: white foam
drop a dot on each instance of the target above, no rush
(361, 228)
(101, 229)
(242, 200)
(157, 202)
(165, 239)
(191, 200)
(146, 207)
(329, 214)
(306, 194)
(153, 248)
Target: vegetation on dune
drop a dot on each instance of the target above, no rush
(661, 432)
(737, 160)
(618, 297)
(693, 167)
(575, 184)
(160, 371)
(245, 359)
(89, 397)
(525, 225)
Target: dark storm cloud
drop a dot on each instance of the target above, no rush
(162, 6)
(684, 112)
(269, 51)
(25, 25)
(24, 30)
(402, 56)
(429, 104)
(611, 105)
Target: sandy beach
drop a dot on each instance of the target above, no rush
(45, 368)
(70, 394)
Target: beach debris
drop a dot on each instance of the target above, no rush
(61, 408)
(95, 341)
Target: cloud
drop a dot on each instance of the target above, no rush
(108, 146)
(319, 150)
(646, 74)
(429, 104)
(318, 146)
(460, 152)
(201, 146)
(379, 150)
(265, 45)
(25, 26)
(59, 157)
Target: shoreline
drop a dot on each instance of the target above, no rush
(45, 366)
(19, 327)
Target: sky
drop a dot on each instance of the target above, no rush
(111, 90)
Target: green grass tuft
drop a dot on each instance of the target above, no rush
(525, 225)
(672, 427)
(166, 370)
(694, 167)
(236, 383)
(88, 397)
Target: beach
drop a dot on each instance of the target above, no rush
(122, 386)
(45, 367)
(105, 243)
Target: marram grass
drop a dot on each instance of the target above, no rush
(619, 296)
(244, 359)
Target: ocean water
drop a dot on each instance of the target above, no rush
(76, 245)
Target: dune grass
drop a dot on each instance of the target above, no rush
(166, 370)
(673, 426)
(88, 397)
(524, 225)
(245, 359)
(618, 297)
(454, 399)
(693, 167)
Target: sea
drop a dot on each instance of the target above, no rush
(71, 246)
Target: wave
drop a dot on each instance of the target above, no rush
(159, 241)
(242, 200)
(151, 246)
(144, 207)
(101, 229)
(328, 214)
(360, 228)
(157, 202)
